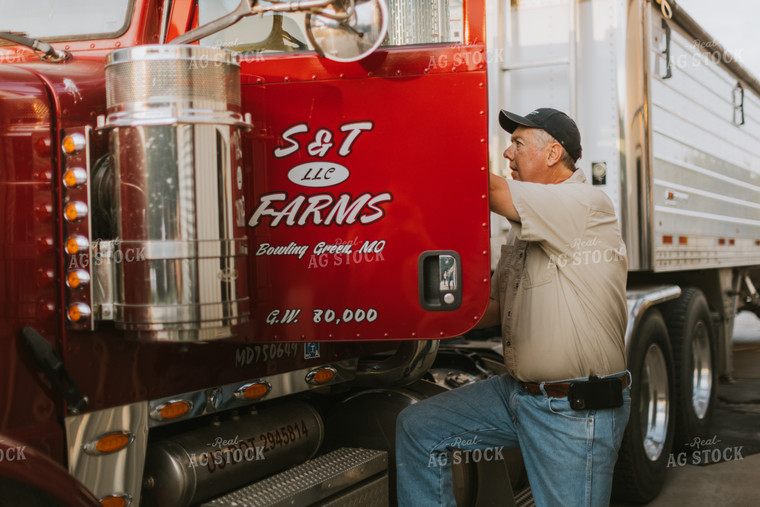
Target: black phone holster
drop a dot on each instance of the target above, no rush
(596, 393)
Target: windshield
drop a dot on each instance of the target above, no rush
(54, 20)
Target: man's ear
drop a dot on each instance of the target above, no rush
(554, 155)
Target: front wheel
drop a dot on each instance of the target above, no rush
(648, 439)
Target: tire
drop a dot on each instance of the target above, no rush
(695, 358)
(648, 438)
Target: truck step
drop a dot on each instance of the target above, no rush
(342, 477)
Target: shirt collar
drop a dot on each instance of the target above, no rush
(577, 177)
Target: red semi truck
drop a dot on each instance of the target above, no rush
(238, 240)
(213, 239)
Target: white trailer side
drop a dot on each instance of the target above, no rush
(670, 124)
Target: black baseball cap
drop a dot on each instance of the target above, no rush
(559, 125)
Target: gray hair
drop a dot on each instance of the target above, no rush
(545, 138)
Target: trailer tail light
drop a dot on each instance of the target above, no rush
(253, 390)
(171, 410)
(321, 375)
(74, 144)
(75, 178)
(115, 500)
(78, 312)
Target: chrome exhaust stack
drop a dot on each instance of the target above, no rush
(179, 260)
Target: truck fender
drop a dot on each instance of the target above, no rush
(640, 300)
(34, 479)
(408, 364)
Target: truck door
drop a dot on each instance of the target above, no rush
(365, 182)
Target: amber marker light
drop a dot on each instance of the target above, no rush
(75, 178)
(77, 278)
(253, 391)
(321, 375)
(78, 312)
(73, 144)
(109, 443)
(115, 501)
(113, 442)
(75, 244)
(75, 211)
(171, 410)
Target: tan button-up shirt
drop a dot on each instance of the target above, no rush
(560, 283)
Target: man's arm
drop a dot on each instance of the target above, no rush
(491, 317)
(501, 198)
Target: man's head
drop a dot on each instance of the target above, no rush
(545, 145)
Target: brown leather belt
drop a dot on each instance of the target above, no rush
(558, 389)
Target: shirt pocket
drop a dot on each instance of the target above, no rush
(539, 268)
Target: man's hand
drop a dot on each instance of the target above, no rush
(501, 198)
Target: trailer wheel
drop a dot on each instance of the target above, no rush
(648, 439)
(694, 355)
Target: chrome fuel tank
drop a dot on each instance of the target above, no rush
(175, 140)
(204, 463)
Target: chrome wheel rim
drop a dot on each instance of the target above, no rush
(702, 371)
(655, 402)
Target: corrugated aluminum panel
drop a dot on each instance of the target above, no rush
(706, 167)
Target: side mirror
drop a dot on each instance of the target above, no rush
(339, 30)
(348, 30)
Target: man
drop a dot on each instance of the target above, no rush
(559, 294)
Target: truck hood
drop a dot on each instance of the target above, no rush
(75, 90)
(23, 98)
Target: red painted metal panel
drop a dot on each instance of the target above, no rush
(400, 135)
(28, 260)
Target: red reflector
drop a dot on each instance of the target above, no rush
(683, 240)
(667, 240)
(721, 241)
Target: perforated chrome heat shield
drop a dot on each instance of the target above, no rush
(175, 139)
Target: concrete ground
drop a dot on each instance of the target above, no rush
(734, 483)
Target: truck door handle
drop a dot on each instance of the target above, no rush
(440, 280)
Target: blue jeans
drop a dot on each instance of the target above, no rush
(569, 454)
